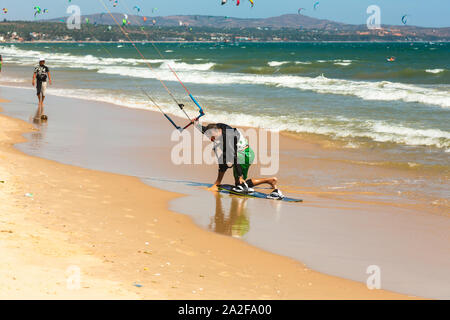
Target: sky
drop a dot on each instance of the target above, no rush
(426, 13)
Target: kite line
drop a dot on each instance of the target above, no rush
(180, 105)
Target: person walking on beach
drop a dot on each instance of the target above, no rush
(1, 63)
(40, 76)
(236, 150)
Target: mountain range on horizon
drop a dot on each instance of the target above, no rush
(289, 21)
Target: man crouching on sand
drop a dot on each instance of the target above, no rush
(40, 76)
(236, 150)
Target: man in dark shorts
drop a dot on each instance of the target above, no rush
(40, 76)
(236, 151)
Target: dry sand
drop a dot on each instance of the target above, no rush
(119, 232)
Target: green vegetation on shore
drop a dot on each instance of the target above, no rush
(57, 31)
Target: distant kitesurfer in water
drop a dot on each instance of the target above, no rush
(236, 151)
(40, 76)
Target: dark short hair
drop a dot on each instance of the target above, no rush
(211, 126)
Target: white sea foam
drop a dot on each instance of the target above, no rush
(200, 73)
(30, 57)
(379, 131)
(276, 63)
(342, 63)
(376, 130)
(382, 90)
(435, 70)
(382, 131)
(182, 66)
(339, 62)
(343, 128)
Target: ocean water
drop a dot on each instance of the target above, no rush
(347, 94)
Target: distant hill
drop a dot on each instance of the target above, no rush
(290, 21)
(286, 21)
(285, 28)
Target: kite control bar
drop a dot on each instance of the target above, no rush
(201, 112)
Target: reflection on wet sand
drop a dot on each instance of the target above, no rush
(236, 222)
(37, 137)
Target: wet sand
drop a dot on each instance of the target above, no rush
(113, 214)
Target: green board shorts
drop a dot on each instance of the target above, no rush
(245, 159)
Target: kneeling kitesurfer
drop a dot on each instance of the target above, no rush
(236, 151)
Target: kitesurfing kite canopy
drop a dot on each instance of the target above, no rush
(405, 19)
(238, 2)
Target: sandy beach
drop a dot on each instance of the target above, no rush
(126, 242)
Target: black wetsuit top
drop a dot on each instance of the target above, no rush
(228, 144)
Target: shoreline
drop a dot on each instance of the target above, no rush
(178, 259)
(319, 143)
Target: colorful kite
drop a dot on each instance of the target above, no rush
(405, 19)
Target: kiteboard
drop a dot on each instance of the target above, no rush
(228, 189)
